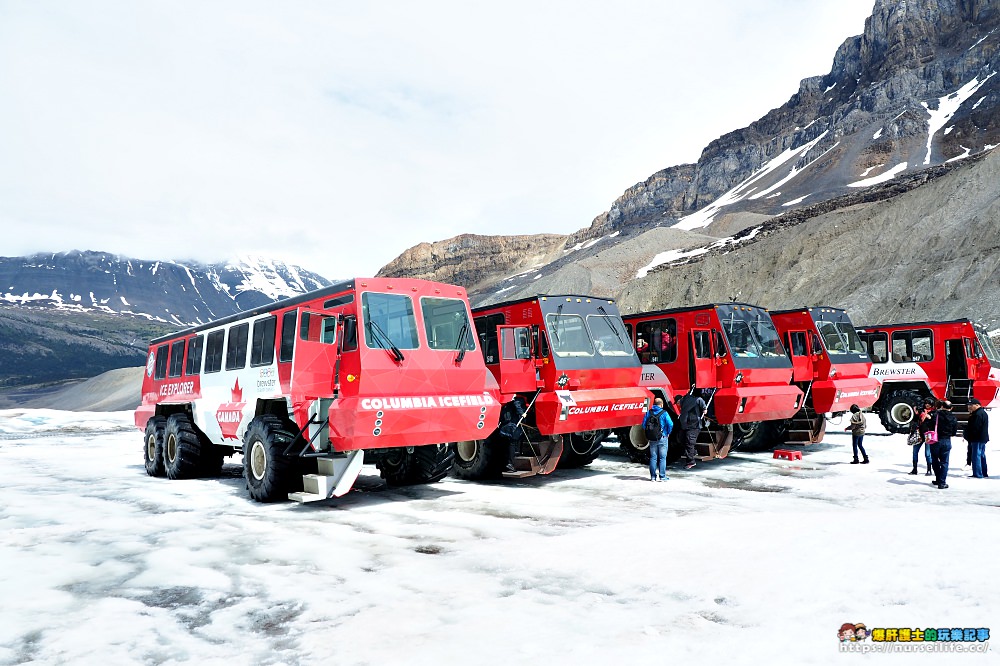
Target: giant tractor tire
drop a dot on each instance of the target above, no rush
(421, 464)
(633, 443)
(269, 473)
(153, 448)
(581, 448)
(477, 459)
(899, 409)
(181, 448)
(755, 437)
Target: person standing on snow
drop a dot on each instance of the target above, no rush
(692, 412)
(918, 425)
(977, 433)
(946, 425)
(857, 430)
(656, 425)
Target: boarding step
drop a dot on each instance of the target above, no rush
(785, 454)
(336, 474)
(798, 436)
(525, 466)
(714, 443)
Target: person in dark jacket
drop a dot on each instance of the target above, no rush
(692, 410)
(977, 433)
(919, 425)
(658, 448)
(946, 426)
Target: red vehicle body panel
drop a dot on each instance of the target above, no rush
(835, 375)
(693, 347)
(932, 354)
(578, 391)
(372, 399)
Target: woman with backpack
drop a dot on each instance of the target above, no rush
(857, 430)
(656, 425)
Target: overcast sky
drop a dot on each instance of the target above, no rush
(336, 135)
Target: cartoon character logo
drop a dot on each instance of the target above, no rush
(861, 632)
(230, 414)
(846, 632)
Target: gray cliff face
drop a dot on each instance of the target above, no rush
(867, 110)
(472, 260)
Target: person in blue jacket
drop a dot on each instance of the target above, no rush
(657, 426)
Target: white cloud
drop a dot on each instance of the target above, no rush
(337, 135)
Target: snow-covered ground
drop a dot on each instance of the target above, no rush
(750, 560)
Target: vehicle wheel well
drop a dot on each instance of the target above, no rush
(888, 388)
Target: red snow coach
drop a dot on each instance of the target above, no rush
(947, 360)
(733, 354)
(829, 363)
(567, 374)
(307, 388)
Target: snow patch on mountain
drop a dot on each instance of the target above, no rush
(881, 178)
(704, 217)
(946, 108)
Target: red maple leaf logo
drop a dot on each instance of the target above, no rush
(237, 391)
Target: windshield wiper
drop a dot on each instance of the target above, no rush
(607, 320)
(462, 334)
(382, 338)
(555, 330)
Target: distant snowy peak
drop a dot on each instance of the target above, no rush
(179, 293)
(274, 279)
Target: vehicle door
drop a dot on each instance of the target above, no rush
(702, 358)
(517, 363)
(315, 361)
(802, 370)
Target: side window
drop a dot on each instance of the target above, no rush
(923, 345)
(797, 343)
(195, 345)
(287, 337)
(213, 351)
(912, 346)
(541, 341)
(878, 347)
(262, 349)
(516, 343)
(177, 358)
(656, 341)
(702, 344)
(161, 362)
(318, 328)
(236, 352)
(486, 329)
(350, 333)
(720, 344)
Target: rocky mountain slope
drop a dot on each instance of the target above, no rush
(917, 90)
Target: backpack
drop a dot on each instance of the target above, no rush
(653, 428)
(690, 410)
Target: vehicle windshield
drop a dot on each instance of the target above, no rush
(609, 335)
(840, 337)
(389, 321)
(446, 321)
(568, 335)
(751, 335)
(989, 348)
